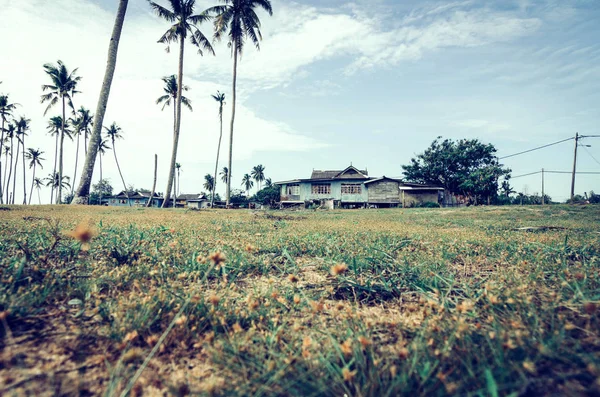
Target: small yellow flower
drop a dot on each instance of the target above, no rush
(84, 234)
(348, 375)
(217, 258)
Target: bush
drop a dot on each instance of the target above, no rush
(427, 204)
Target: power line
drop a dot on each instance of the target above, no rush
(588, 152)
(556, 172)
(537, 148)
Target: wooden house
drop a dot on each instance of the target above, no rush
(134, 199)
(351, 188)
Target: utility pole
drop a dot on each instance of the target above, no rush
(542, 186)
(574, 167)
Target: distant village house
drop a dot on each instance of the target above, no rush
(352, 188)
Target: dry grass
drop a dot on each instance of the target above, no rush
(363, 303)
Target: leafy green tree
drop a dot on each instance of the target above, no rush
(185, 24)
(114, 132)
(237, 20)
(83, 190)
(268, 196)
(35, 160)
(247, 183)
(6, 110)
(258, 174)
(220, 98)
(466, 167)
(101, 189)
(62, 89)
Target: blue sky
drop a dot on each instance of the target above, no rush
(367, 82)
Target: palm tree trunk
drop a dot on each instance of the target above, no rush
(24, 170)
(149, 203)
(83, 191)
(228, 190)
(60, 154)
(12, 200)
(76, 158)
(100, 202)
(32, 181)
(84, 146)
(2, 147)
(39, 197)
(9, 165)
(177, 122)
(6, 165)
(120, 174)
(54, 170)
(214, 187)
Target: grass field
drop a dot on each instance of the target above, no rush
(362, 303)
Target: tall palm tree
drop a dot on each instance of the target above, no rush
(224, 174)
(55, 126)
(82, 122)
(35, 159)
(258, 174)
(10, 133)
(62, 89)
(53, 180)
(23, 127)
(178, 185)
(181, 15)
(238, 20)
(170, 89)
(83, 190)
(113, 133)
(209, 184)
(219, 97)
(268, 183)
(37, 182)
(6, 109)
(247, 183)
(102, 151)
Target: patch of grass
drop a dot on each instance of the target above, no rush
(369, 303)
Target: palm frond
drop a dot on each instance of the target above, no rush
(163, 12)
(187, 103)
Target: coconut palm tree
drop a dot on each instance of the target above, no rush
(178, 185)
(247, 183)
(102, 151)
(113, 133)
(10, 133)
(209, 185)
(268, 183)
(82, 122)
(258, 174)
(219, 97)
(238, 20)
(53, 181)
(35, 159)
(37, 182)
(83, 190)
(55, 126)
(6, 109)
(224, 174)
(23, 127)
(170, 89)
(62, 89)
(185, 24)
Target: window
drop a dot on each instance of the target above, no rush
(321, 188)
(351, 188)
(293, 190)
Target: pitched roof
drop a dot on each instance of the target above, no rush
(187, 197)
(382, 179)
(349, 172)
(135, 195)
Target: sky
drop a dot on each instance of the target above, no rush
(370, 83)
